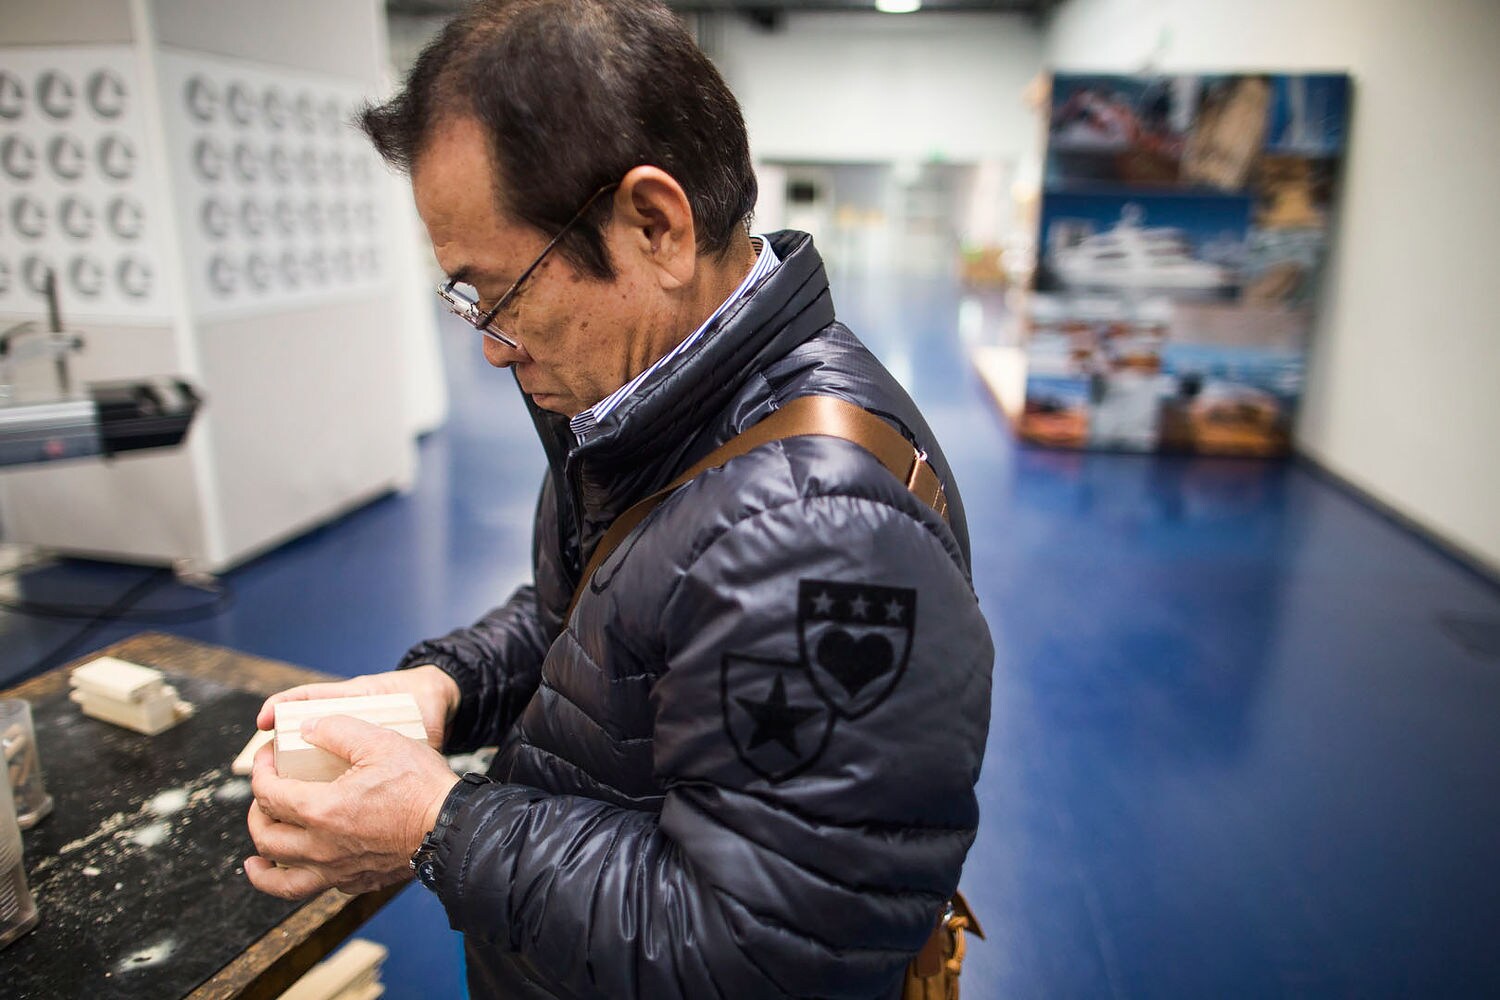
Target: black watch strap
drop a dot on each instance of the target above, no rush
(425, 861)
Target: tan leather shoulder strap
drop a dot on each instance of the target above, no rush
(807, 415)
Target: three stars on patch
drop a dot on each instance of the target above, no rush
(856, 604)
(853, 643)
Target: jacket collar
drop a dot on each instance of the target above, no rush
(655, 432)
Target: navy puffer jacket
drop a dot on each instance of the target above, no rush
(745, 766)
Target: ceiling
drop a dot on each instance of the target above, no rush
(766, 12)
(1024, 6)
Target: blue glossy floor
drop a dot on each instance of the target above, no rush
(1245, 736)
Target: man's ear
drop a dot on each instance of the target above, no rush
(655, 224)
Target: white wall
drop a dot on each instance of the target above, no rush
(880, 87)
(1402, 397)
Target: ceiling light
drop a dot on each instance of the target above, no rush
(897, 6)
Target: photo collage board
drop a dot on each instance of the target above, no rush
(1184, 225)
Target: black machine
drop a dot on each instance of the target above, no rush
(106, 419)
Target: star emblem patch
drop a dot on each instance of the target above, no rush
(775, 719)
(855, 639)
(854, 642)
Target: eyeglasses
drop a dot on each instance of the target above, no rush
(467, 307)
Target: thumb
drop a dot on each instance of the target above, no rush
(343, 736)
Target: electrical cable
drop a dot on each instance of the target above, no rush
(121, 609)
(220, 602)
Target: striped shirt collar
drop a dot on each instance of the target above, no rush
(765, 262)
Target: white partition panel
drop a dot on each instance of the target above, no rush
(211, 213)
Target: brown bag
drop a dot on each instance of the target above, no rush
(933, 974)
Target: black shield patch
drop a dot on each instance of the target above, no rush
(855, 639)
(776, 721)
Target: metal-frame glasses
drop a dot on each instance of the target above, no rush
(468, 309)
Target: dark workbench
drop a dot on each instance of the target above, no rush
(137, 873)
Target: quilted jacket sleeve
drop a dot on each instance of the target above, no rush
(497, 661)
(819, 730)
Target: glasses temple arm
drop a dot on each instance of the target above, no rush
(489, 317)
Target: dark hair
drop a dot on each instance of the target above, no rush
(573, 94)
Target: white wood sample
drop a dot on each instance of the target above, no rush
(119, 680)
(350, 973)
(148, 717)
(296, 758)
(127, 694)
(245, 762)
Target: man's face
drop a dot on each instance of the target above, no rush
(578, 335)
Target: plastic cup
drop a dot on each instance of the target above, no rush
(24, 766)
(17, 909)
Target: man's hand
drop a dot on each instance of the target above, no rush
(437, 696)
(355, 833)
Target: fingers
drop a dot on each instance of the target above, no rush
(264, 757)
(286, 883)
(347, 737)
(280, 842)
(299, 883)
(285, 800)
(302, 803)
(293, 863)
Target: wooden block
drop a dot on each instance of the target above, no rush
(148, 717)
(372, 991)
(354, 967)
(108, 677)
(296, 758)
(246, 760)
(376, 708)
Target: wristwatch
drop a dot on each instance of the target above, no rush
(424, 862)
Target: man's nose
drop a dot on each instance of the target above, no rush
(501, 355)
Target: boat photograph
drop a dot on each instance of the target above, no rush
(1141, 246)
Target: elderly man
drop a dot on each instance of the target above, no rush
(737, 755)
